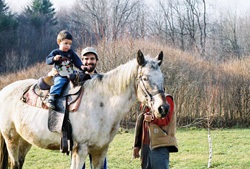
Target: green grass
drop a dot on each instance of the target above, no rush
(231, 149)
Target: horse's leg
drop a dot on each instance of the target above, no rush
(98, 159)
(79, 155)
(24, 147)
(12, 143)
(3, 153)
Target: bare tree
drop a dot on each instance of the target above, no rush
(183, 23)
(204, 27)
(138, 22)
(121, 15)
(169, 19)
(200, 19)
(224, 38)
(231, 34)
(90, 20)
(104, 20)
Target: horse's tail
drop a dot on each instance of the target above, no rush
(3, 153)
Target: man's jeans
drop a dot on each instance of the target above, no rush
(157, 158)
(90, 159)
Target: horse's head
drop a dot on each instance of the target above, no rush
(150, 85)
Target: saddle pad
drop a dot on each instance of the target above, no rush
(31, 97)
(75, 105)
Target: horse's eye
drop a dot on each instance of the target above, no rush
(144, 78)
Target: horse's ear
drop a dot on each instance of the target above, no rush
(160, 58)
(140, 58)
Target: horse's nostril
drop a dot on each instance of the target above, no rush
(163, 110)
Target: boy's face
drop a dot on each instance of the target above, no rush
(64, 45)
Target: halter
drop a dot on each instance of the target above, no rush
(148, 95)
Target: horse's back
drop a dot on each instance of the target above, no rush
(17, 86)
(10, 96)
(28, 121)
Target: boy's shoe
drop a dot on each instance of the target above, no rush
(51, 104)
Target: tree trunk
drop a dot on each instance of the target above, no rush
(210, 149)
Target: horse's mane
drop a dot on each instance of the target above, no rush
(116, 80)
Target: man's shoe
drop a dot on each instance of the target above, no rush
(51, 104)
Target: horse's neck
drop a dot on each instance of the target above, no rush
(118, 86)
(120, 81)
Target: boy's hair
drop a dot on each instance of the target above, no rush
(64, 35)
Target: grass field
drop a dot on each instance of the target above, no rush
(231, 149)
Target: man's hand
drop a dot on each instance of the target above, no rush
(148, 117)
(136, 152)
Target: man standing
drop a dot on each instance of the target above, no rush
(155, 137)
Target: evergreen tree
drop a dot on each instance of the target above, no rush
(42, 13)
(37, 30)
(8, 27)
(7, 20)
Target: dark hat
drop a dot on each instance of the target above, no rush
(89, 50)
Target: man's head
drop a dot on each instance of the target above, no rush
(88, 50)
(89, 58)
(64, 40)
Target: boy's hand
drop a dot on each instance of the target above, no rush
(53, 72)
(84, 68)
(57, 57)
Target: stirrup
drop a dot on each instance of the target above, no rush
(51, 104)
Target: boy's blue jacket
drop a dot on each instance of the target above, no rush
(70, 55)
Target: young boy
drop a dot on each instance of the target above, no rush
(63, 59)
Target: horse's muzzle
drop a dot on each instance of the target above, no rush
(163, 110)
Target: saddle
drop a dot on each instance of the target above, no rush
(35, 96)
(69, 101)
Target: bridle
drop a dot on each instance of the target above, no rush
(149, 99)
(149, 96)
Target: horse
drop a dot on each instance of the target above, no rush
(106, 99)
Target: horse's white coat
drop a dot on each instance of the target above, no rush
(105, 102)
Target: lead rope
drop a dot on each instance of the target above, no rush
(147, 151)
(151, 147)
(143, 135)
(149, 138)
(142, 147)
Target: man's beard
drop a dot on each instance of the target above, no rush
(92, 68)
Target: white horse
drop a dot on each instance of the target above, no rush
(107, 98)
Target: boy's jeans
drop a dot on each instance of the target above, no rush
(59, 83)
(158, 158)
